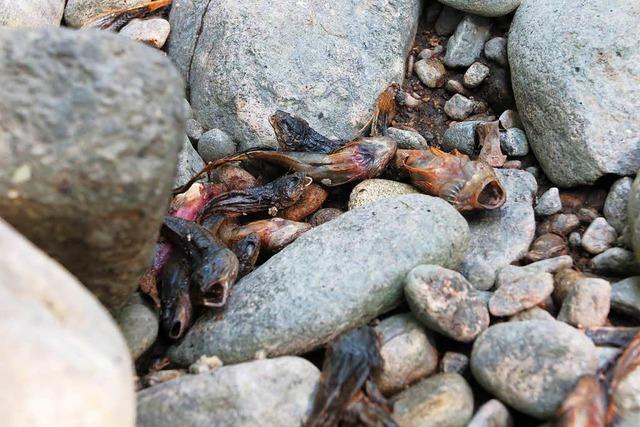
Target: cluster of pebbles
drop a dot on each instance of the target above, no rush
(369, 302)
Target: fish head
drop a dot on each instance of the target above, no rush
(290, 187)
(289, 129)
(480, 189)
(175, 314)
(215, 275)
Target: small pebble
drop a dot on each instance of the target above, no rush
(561, 224)
(205, 364)
(466, 44)
(215, 144)
(510, 119)
(492, 414)
(548, 245)
(563, 281)
(153, 31)
(514, 142)
(453, 363)
(372, 190)
(496, 51)
(549, 203)
(189, 163)
(615, 261)
(625, 297)
(425, 54)
(461, 136)
(459, 107)
(587, 215)
(324, 215)
(550, 265)
(599, 236)
(431, 72)
(194, 130)
(408, 139)
(455, 86)
(533, 313)
(615, 206)
(447, 21)
(512, 164)
(475, 74)
(520, 291)
(587, 303)
(575, 239)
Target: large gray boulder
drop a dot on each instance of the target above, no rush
(336, 276)
(91, 128)
(64, 362)
(272, 393)
(593, 128)
(31, 13)
(326, 62)
(633, 211)
(484, 7)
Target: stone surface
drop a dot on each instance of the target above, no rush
(459, 107)
(501, 236)
(532, 365)
(615, 261)
(407, 351)
(466, 44)
(302, 308)
(431, 72)
(31, 14)
(492, 414)
(549, 265)
(189, 163)
(562, 224)
(475, 74)
(272, 392)
(509, 118)
(599, 236)
(88, 176)
(617, 202)
(519, 292)
(626, 398)
(549, 203)
(441, 400)
(194, 130)
(407, 139)
(153, 31)
(592, 129)
(496, 89)
(306, 61)
(453, 363)
(64, 361)
(607, 355)
(461, 136)
(496, 51)
(625, 297)
(80, 12)
(372, 190)
(324, 215)
(484, 7)
(564, 280)
(138, 322)
(444, 301)
(448, 21)
(587, 303)
(215, 144)
(514, 142)
(633, 212)
(533, 313)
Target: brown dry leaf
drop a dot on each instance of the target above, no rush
(489, 139)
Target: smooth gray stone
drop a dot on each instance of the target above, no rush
(215, 144)
(599, 236)
(625, 297)
(316, 288)
(593, 128)
(549, 203)
(461, 136)
(448, 21)
(615, 261)
(489, 8)
(407, 139)
(492, 414)
(466, 44)
(31, 13)
(617, 203)
(138, 322)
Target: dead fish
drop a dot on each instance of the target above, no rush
(116, 19)
(247, 250)
(347, 391)
(214, 267)
(274, 233)
(585, 406)
(385, 112)
(464, 183)
(310, 201)
(626, 365)
(294, 134)
(175, 299)
(278, 194)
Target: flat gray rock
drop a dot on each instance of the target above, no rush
(617, 202)
(593, 128)
(31, 13)
(466, 44)
(88, 176)
(520, 291)
(598, 237)
(307, 61)
(316, 288)
(271, 393)
(502, 236)
(484, 7)
(625, 296)
(532, 365)
(138, 322)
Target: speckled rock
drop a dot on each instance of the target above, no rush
(521, 291)
(615, 261)
(88, 176)
(532, 365)
(444, 301)
(502, 236)
(407, 351)
(271, 393)
(514, 142)
(372, 190)
(549, 203)
(466, 44)
(453, 363)
(587, 303)
(306, 61)
(304, 308)
(215, 144)
(31, 14)
(475, 74)
(533, 313)
(194, 130)
(64, 361)
(461, 136)
(80, 12)
(138, 322)
(153, 31)
(616, 205)
(599, 236)
(625, 296)
(496, 51)
(189, 163)
(484, 7)
(408, 139)
(591, 130)
(459, 107)
(492, 414)
(431, 72)
(441, 400)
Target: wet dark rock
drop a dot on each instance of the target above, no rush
(587, 215)
(492, 414)
(431, 72)
(306, 66)
(88, 176)
(215, 144)
(549, 203)
(444, 301)
(408, 139)
(591, 130)
(443, 399)
(272, 392)
(466, 44)
(496, 51)
(407, 351)
(453, 363)
(32, 13)
(459, 107)
(520, 290)
(138, 322)
(496, 89)
(304, 308)
(475, 74)
(532, 365)
(461, 136)
(514, 142)
(587, 303)
(615, 261)
(616, 205)
(489, 8)
(447, 21)
(625, 296)
(599, 236)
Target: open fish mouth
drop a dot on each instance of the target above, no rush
(216, 296)
(492, 195)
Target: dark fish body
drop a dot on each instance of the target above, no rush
(294, 134)
(247, 250)
(175, 300)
